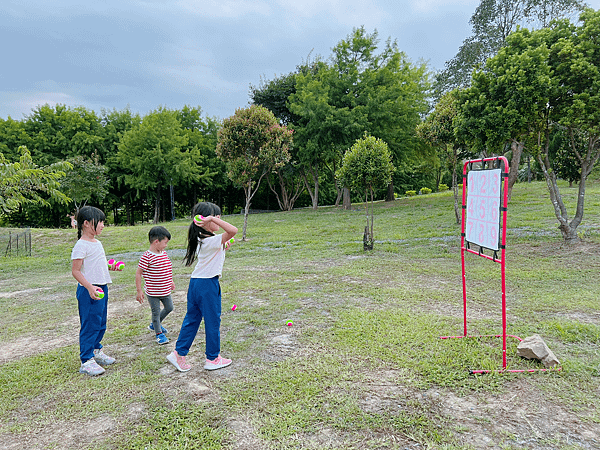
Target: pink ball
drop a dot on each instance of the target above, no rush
(234, 307)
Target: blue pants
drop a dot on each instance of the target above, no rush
(203, 301)
(92, 317)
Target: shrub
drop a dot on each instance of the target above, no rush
(425, 191)
(411, 193)
(442, 187)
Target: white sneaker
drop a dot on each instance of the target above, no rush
(102, 358)
(178, 361)
(91, 368)
(217, 363)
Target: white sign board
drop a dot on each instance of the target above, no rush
(483, 207)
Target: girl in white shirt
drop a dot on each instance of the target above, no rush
(90, 269)
(204, 292)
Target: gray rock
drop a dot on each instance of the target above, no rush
(534, 347)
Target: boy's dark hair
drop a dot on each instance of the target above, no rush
(91, 214)
(196, 233)
(159, 233)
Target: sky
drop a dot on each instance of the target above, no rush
(117, 54)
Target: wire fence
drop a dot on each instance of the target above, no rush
(15, 242)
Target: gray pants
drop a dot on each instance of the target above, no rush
(159, 315)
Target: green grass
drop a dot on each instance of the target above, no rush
(363, 366)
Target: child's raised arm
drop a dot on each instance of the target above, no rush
(230, 230)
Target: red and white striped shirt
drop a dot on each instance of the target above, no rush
(157, 271)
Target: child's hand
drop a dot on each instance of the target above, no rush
(93, 291)
(140, 297)
(172, 286)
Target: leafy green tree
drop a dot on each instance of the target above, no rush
(499, 108)
(287, 182)
(202, 135)
(252, 144)
(564, 162)
(155, 155)
(86, 180)
(12, 136)
(115, 123)
(24, 182)
(545, 80)
(366, 166)
(59, 132)
(363, 88)
(492, 22)
(438, 130)
(274, 95)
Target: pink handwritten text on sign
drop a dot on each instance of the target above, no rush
(483, 207)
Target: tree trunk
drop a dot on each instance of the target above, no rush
(368, 235)
(248, 192)
(289, 194)
(314, 193)
(347, 202)
(157, 206)
(390, 197)
(567, 229)
(515, 161)
(457, 205)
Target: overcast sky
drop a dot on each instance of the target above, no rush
(144, 54)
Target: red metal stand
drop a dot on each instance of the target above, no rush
(491, 163)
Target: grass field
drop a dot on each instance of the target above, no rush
(361, 367)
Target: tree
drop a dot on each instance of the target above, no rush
(24, 182)
(12, 136)
(85, 181)
(202, 135)
(252, 144)
(154, 155)
(114, 124)
(288, 181)
(492, 22)
(59, 132)
(499, 108)
(438, 131)
(546, 80)
(363, 88)
(367, 165)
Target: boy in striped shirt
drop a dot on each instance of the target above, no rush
(157, 270)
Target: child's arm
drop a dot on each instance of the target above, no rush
(230, 230)
(138, 286)
(76, 271)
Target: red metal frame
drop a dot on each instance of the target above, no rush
(501, 261)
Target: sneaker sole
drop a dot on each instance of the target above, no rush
(162, 343)
(173, 361)
(92, 374)
(215, 367)
(104, 363)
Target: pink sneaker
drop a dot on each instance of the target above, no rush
(216, 363)
(178, 361)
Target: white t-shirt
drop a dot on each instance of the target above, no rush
(94, 267)
(211, 257)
